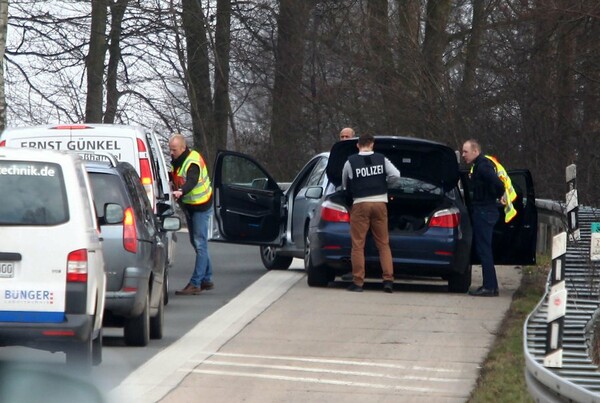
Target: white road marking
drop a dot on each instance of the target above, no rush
(316, 380)
(330, 371)
(340, 362)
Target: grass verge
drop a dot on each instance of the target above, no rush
(502, 375)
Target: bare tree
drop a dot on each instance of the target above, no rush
(3, 27)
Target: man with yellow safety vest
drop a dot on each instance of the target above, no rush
(487, 187)
(193, 190)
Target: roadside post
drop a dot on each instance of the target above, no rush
(557, 297)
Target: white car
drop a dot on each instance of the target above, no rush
(52, 280)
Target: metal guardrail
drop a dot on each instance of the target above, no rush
(579, 378)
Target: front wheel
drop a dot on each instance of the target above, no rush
(460, 282)
(272, 260)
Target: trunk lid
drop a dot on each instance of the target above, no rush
(425, 160)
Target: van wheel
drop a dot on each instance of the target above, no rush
(156, 323)
(80, 355)
(272, 261)
(460, 283)
(97, 349)
(137, 330)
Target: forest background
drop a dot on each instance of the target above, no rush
(278, 79)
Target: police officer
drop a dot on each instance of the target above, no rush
(366, 175)
(487, 188)
(194, 192)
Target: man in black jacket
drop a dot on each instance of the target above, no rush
(366, 174)
(487, 189)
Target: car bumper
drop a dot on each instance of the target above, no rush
(75, 328)
(129, 301)
(439, 255)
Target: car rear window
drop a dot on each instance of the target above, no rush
(32, 193)
(107, 188)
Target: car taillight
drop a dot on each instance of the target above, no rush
(334, 212)
(3, 143)
(77, 266)
(145, 172)
(129, 231)
(448, 218)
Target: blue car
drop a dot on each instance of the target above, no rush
(428, 214)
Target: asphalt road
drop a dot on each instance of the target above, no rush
(235, 268)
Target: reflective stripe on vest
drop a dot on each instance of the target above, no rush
(509, 191)
(201, 193)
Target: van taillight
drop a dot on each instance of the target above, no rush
(77, 266)
(334, 212)
(145, 172)
(129, 231)
(3, 143)
(448, 218)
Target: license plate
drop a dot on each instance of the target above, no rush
(7, 269)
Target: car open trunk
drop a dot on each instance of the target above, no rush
(412, 212)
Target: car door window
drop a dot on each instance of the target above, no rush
(242, 172)
(140, 201)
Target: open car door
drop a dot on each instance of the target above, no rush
(514, 243)
(249, 206)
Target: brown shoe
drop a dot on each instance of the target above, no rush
(207, 285)
(189, 289)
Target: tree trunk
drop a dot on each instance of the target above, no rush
(433, 85)
(222, 46)
(286, 120)
(382, 64)
(95, 62)
(117, 11)
(198, 78)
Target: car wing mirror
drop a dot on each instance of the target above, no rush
(314, 192)
(113, 213)
(172, 223)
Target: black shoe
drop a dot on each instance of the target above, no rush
(347, 277)
(484, 292)
(388, 286)
(355, 288)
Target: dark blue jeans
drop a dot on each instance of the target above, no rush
(197, 222)
(484, 218)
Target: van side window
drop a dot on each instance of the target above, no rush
(33, 193)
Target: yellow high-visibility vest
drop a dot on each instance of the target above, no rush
(201, 193)
(509, 191)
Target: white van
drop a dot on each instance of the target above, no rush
(132, 144)
(52, 280)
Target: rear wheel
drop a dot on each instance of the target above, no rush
(157, 322)
(97, 349)
(460, 283)
(137, 330)
(80, 355)
(272, 261)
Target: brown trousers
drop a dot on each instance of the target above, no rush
(362, 217)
